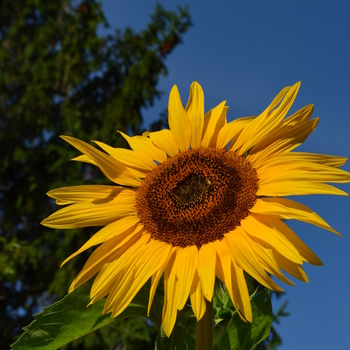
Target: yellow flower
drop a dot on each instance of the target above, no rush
(200, 200)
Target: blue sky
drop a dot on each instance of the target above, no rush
(245, 52)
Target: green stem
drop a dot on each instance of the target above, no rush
(204, 338)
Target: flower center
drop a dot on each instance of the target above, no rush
(196, 196)
(191, 191)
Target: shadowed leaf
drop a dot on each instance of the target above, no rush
(244, 335)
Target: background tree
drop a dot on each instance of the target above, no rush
(57, 76)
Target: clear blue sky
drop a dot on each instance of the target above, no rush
(244, 52)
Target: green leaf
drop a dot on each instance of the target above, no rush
(244, 335)
(179, 339)
(222, 305)
(70, 319)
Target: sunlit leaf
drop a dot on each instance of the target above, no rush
(70, 319)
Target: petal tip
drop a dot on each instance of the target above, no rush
(174, 89)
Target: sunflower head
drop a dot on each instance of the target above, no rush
(200, 200)
(197, 196)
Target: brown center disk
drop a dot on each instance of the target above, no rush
(197, 196)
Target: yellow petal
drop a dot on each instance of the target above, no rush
(322, 159)
(136, 275)
(293, 269)
(223, 269)
(269, 262)
(216, 120)
(103, 292)
(123, 226)
(186, 266)
(169, 312)
(265, 233)
(239, 283)
(206, 269)
(84, 214)
(197, 298)
(231, 130)
(63, 202)
(301, 115)
(120, 259)
(305, 252)
(288, 209)
(293, 188)
(155, 280)
(280, 96)
(298, 170)
(85, 159)
(234, 280)
(129, 158)
(106, 253)
(85, 193)
(303, 160)
(154, 284)
(283, 140)
(179, 122)
(125, 279)
(241, 249)
(144, 145)
(195, 112)
(164, 140)
(267, 121)
(113, 170)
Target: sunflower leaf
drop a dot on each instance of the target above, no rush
(70, 319)
(244, 335)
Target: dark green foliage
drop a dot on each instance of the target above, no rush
(179, 339)
(245, 335)
(274, 340)
(57, 76)
(69, 319)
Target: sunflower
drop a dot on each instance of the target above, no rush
(200, 200)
